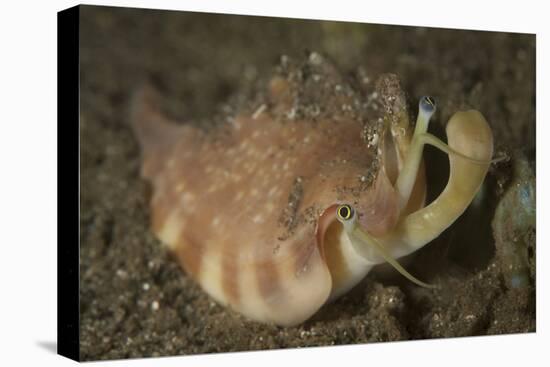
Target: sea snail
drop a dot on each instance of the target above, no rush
(267, 216)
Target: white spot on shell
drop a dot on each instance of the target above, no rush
(258, 112)
(180, 187)
(187, 198)
(291, 114)
(237, 160)
(236, 123)
(258, 219)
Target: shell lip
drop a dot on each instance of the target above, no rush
(327, 217)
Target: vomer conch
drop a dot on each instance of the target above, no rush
(271, 215)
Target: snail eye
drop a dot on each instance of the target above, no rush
(428, 104)
(345, 212)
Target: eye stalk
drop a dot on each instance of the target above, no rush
(362, 242)
(345, 213)
(407, 175)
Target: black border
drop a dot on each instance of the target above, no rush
(68, 183)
